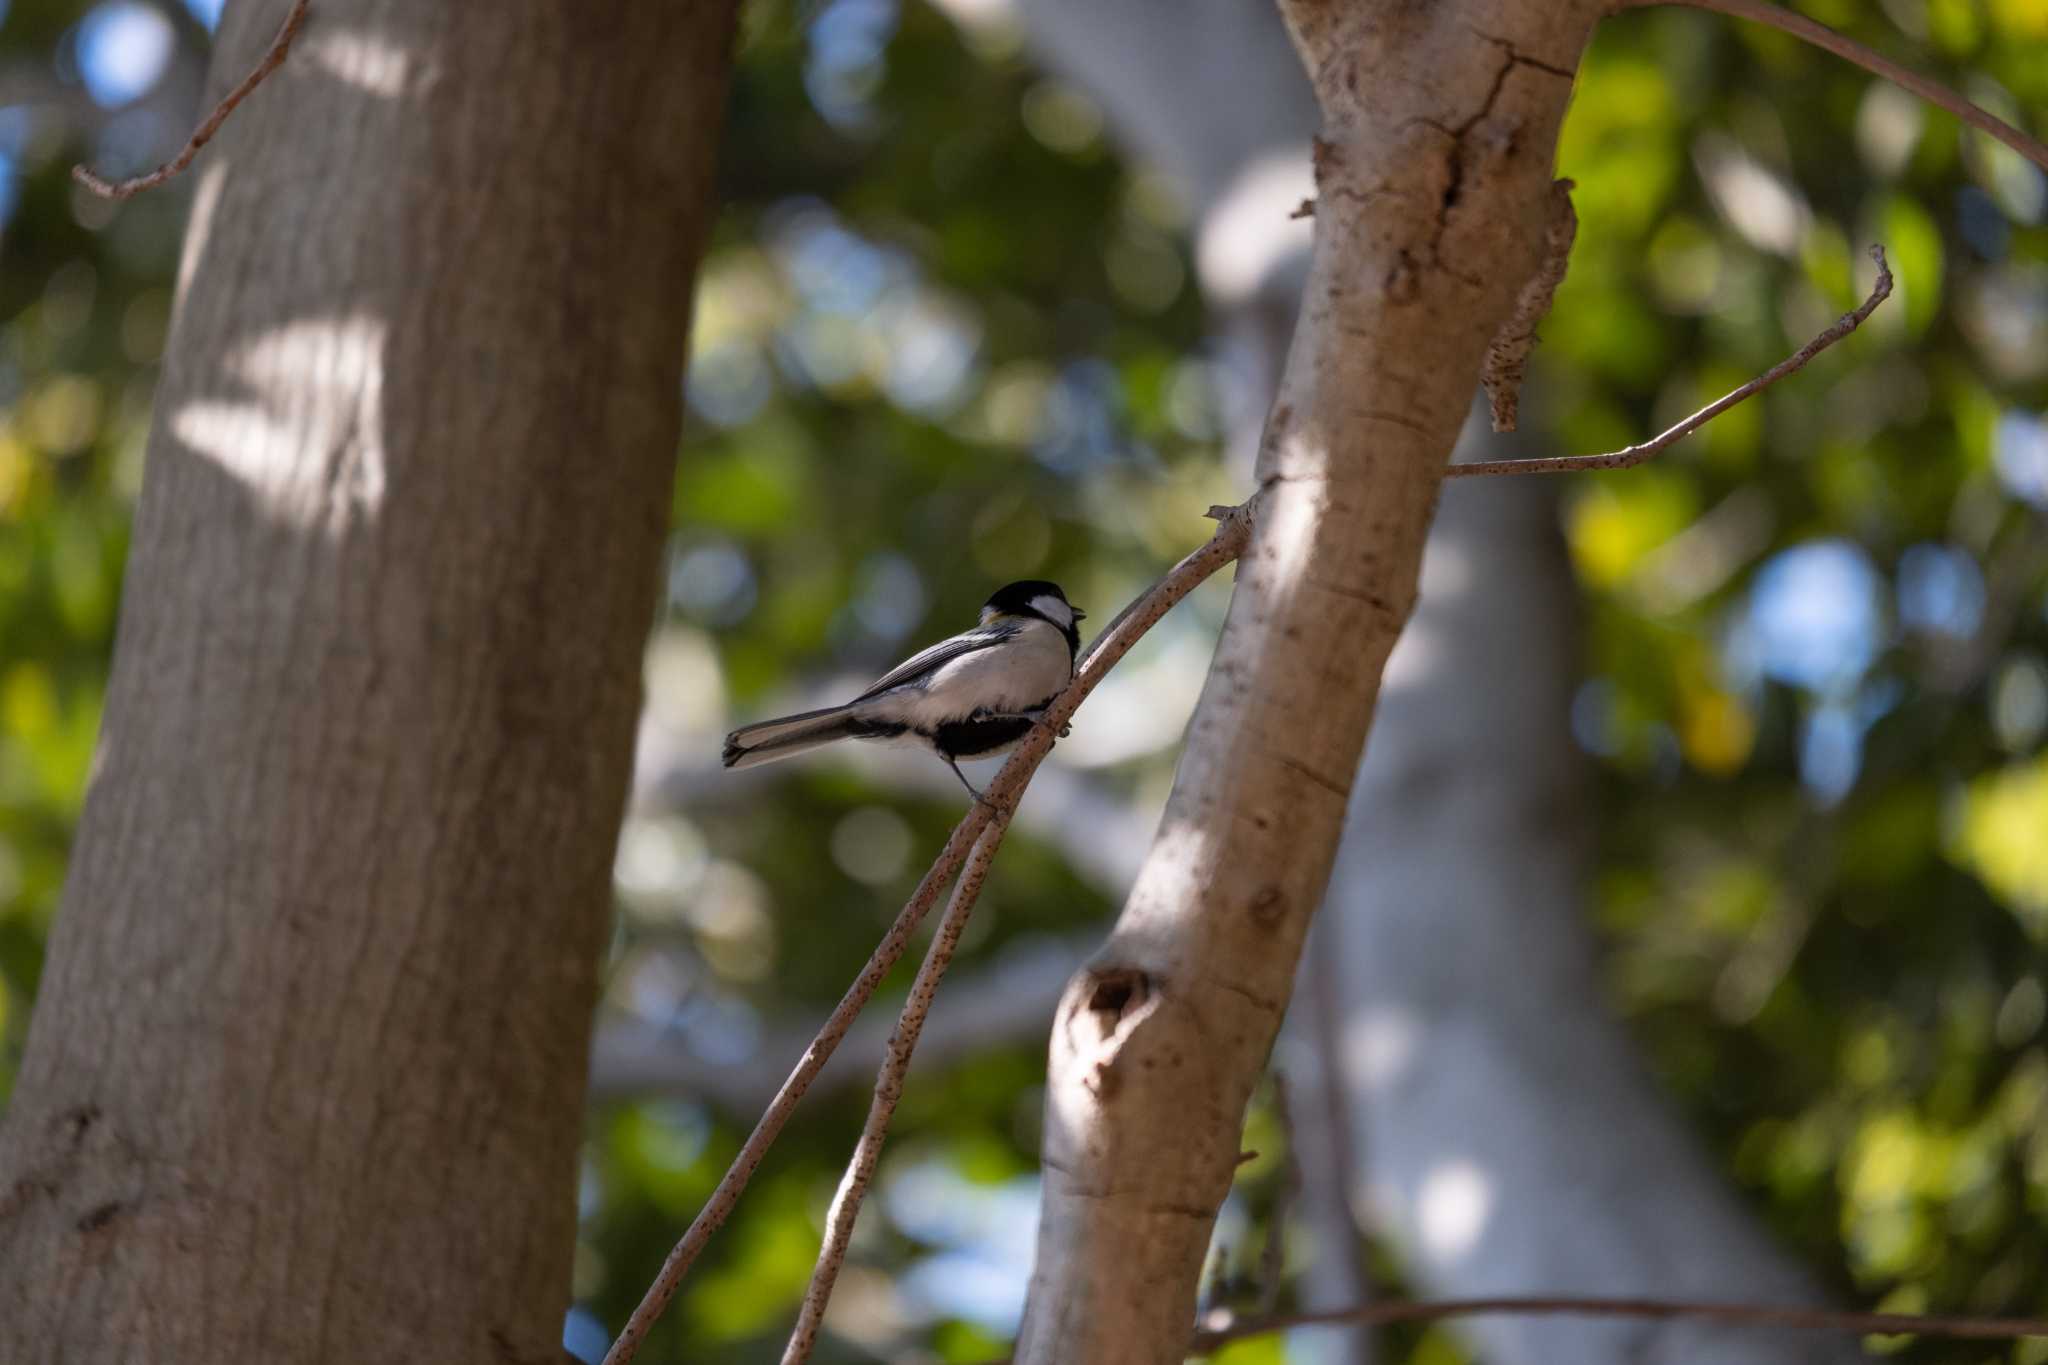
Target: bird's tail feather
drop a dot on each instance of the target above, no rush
(780, 738)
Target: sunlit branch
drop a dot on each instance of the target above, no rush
(993, 811)
(1637, 454)
(1825, 38)
(203, 134)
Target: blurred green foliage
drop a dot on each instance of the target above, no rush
(946, 337)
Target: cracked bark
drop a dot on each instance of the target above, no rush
(304, 1082)
(1623, 1204)
(1422, 240)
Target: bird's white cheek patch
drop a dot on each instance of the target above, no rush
(1054, 610)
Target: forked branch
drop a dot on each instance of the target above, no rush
(1825, 38)
(992, 813)
(867, 1152)
(294, 20)
(1637, 454)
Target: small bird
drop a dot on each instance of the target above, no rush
(972, 696)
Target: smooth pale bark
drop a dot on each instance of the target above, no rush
(305, 1079)
(1466, 828)
(1433, 176)
(1212, 93)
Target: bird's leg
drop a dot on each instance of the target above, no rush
(979, 798)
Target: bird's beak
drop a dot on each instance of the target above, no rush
(1080, 615)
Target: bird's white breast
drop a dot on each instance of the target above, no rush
(1023, 672)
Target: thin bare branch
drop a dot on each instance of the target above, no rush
(1001, 799)
(1825, 38)
(1508, 357)
(1637, 454)
(294, 20)
(1217, 1276)
(1733, 1314)
(1332, 1148)
(867, 1153)
(1001, 1004)
(2015, 565)
(1273, 1255)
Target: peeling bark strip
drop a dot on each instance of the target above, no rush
(1630, 456)
(1433, 172)
(1508, 358)
(305, 1079)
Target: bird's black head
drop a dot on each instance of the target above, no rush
(1039, 598)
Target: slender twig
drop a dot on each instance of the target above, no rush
(203, 134)
(997, 1005)
(1219, 1260)
(1144, 602)
(1273, 1255)
(2014, 567)
(1508, 357)
(1102, 655)
(867, 1153)
(1635, 455)
(1734, 1314)
(1332, 1149)
(1825, 38)
(720, 1205)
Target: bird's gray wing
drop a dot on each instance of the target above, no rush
(921, 665)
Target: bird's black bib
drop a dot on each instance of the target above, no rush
(978, 735)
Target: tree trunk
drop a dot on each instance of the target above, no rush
(1493, 853)
(1433, 177)
(305, 1079)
